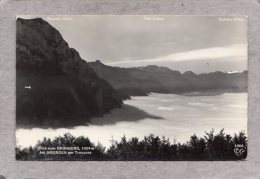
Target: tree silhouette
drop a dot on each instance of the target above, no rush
(212, 146)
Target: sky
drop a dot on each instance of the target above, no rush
(200, 44)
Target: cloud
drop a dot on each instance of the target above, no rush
(231, 51)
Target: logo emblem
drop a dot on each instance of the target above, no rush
(239, 149)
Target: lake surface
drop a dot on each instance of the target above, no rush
(176, 117)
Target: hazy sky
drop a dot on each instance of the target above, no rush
(197, 43)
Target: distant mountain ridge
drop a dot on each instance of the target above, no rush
(54, 85)
(153, 78)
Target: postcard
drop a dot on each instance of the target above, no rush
(131, 88)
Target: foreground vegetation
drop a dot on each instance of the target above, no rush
(212, 146)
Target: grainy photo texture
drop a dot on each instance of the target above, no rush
(140, 88)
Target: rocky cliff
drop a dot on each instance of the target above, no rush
(55, 87)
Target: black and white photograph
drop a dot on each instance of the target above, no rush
(131, 88)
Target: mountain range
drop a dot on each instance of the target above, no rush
(55, 87)
(152, 78)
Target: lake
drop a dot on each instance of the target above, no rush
(176, 117)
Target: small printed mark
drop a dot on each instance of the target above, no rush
(26, 87)
(239, 149)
